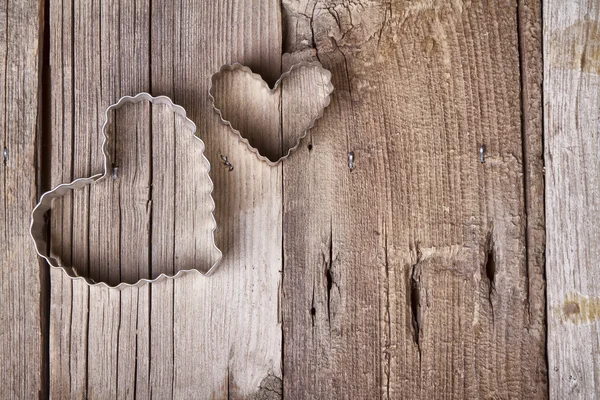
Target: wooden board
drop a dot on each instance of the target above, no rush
(23, 303)
(382, 259)
(196, 336)
(572, 112)
(408, 276)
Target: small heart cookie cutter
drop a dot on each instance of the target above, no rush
(239, 67)
(37, 229)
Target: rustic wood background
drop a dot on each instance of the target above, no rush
(421, 273)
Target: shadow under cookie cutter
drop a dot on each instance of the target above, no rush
(37, 228)
(239, 67)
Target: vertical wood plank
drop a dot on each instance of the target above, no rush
(407, 277)
(68, 304)
(157, 341)
(571, 105)
(416, 273)
(22, 282)
(225, 330)
(529, 15)
(99, 52)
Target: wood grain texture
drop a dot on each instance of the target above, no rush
(94, 339)
(407, 270)
(22, 282)
(408, 276)
(195, 337)
(272, 120)
(572, 112)
(529, 14)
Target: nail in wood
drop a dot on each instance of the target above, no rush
(226, 163)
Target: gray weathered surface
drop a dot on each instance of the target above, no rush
(22, 295)
(572, 137)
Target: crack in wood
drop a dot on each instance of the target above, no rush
(415, 300)
(525, 152)
(489, 266)
(328, 274)
(313, 310)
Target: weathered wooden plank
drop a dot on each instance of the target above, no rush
(411, 274)
(572, 111)
(407, 276)
(22, 283)
(68, 304)
(226, 332)
(530, 55)
(99, 52)
(195, 337)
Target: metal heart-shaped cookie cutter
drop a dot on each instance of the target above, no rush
(37, 228)
(328, 90)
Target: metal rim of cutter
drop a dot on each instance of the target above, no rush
(37, 228)
(239, 67)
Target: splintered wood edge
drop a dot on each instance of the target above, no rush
(239, 67)
(37, 228)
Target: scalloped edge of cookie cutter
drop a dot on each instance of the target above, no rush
(38, 223)
(237, 66)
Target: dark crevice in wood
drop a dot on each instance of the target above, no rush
(312, 26)
(329, 286)
(149, 212)
(72, 143)
(543, 178)
(328, 275)
(415, 301)
(283, 31)
(228, 389)
(173, 341)
(5, 133)
(525, 151)
(88, 209)
(174, 257)
(71, 305)
(312, 31)
(150, 193)
(282, 355)
(118, 341)
(43, 169)
(313, 310)
(150, 58)
(489, 269)
(149, 335)
(120, 234)
(490, 265)
(87, 341)
(137, 338)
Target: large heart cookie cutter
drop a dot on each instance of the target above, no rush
(325, 87)
(37, 228)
